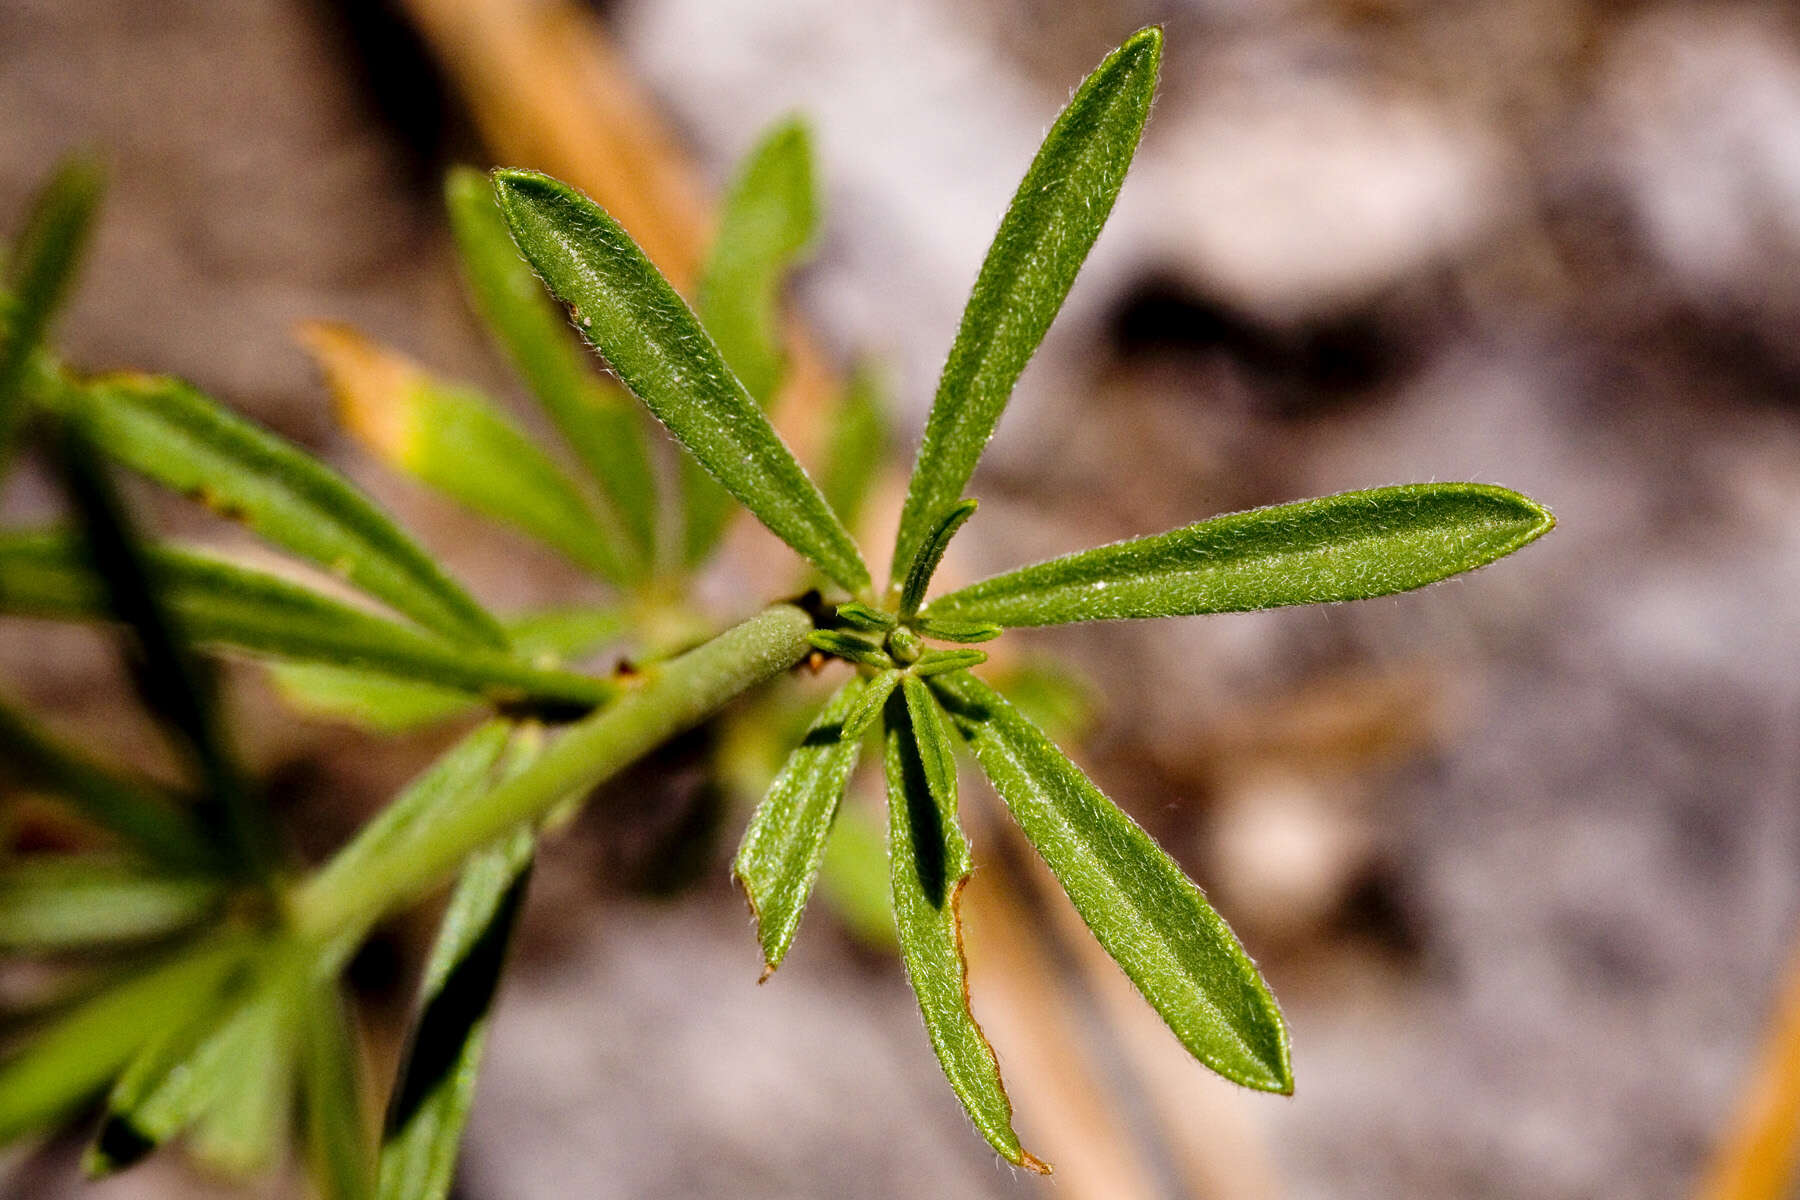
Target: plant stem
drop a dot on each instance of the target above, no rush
(673, 696)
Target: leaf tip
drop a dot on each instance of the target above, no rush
(1034, 1164)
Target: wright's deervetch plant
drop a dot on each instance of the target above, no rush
(236, 1011)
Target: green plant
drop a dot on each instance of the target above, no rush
(232, 1008)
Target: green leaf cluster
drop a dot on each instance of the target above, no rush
(231, 1022)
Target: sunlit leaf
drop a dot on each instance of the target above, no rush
(1051, 224)
(1345, 547)
(931, 552)
(340, 1141)
(221, 604)
(174, 434)
(765, 226)
(75, 1057)
(650, 337)
(454, 440)
(782, 848)
(939, 662)
(134, 809)
(1147, 914)
(39, 277)
(599, 421)
(869, 707)
(929, 865)
(62, 903)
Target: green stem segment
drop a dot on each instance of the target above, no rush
(673, 696)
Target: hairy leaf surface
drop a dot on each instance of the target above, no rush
(1047, 232)
(1142, 909)
(782, 848)
(1345, 547)
(929, 864)
(598, 420)
(650, 337)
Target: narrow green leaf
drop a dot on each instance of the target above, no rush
(159, 1093)
(64, 903)
(1142, 909)
(929, 864)
(340, 1140)
(455, 441)
(936, 757)
(389, 705)
(849, 647)
(40, 276)
(874, 697)
(782, 848)
(134, 809)
(940, 662)
(247, 1073)
(1047, 232)
(44, 575)
(856, 445)
(948, 630)
(931, 552)
(179, 437)
(598, 420)
(436, 1088)
(765, 227)
(633, 317)
(75, 1057)
(1346, 547)
(176, 686)
(858, 615)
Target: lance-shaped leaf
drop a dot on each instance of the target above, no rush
(431, 1100)
(1051, 224)
(929, 864)
(340, 1148)
(75, 1057)
(176, 685)
(1142, 909)
(219, 603)
(782, 848)
(931, 552)
(38, 278)
(179, 437)
(599, 421)
(856, 445)
(390, 705)
(454, 440)
(436, 1088)
(133, 809)
(624, 306)
(765, 226)
(1345, 547)
(53, 904)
